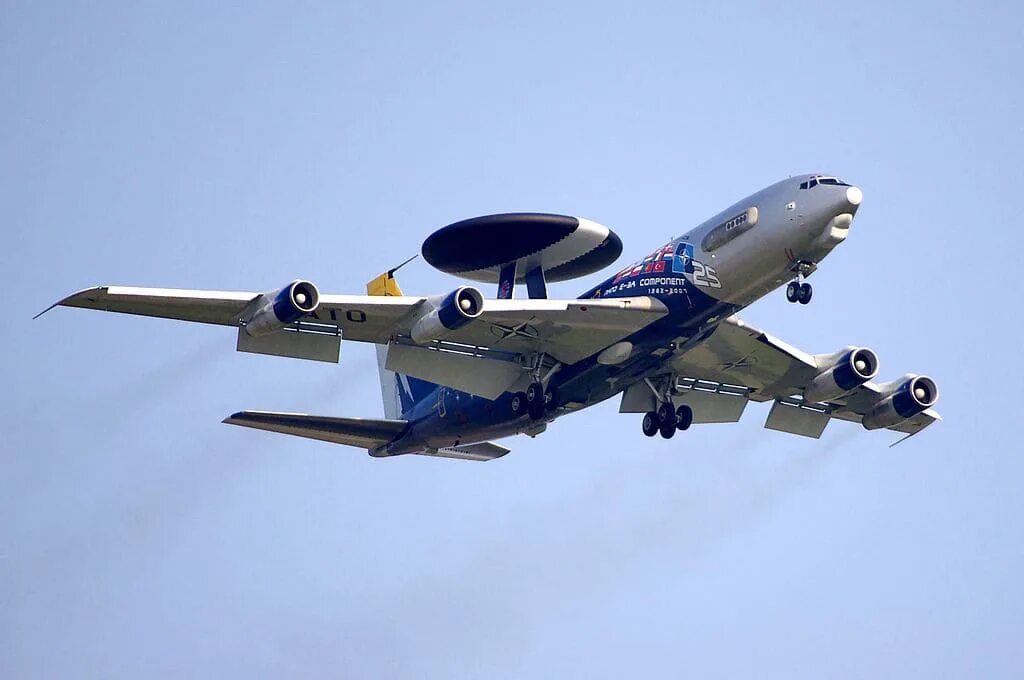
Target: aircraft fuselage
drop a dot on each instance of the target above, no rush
(708, 273)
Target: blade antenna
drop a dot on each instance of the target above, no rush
(391, 272)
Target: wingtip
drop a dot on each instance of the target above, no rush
(55, 304)
(64, 300)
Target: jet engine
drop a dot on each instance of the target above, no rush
(902, 400)
(283, 307)
(848, 369)
(448, 313)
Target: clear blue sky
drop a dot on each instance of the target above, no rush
(169, 144)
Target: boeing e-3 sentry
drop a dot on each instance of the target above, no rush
(459, 370)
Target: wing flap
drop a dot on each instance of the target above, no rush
(487, 378)
(797, 420)
(712, 407)
(293, 344)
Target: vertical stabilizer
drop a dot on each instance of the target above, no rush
(388, 385)
(385, 284)
(398, 391)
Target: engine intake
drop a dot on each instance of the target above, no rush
(909, 397)
(849, 370)
(447, 314)
(283, 307)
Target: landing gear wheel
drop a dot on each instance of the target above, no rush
(805, 293)
(667, 414)
(551, 400)
(535, 400)
(651, 423)
(668, 429)
(684, 417)
(793, 291)
(518, 403)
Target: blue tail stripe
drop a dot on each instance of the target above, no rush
(412, 391)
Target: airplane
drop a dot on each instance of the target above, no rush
(458, 370)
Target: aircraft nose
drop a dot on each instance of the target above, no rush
(854, 196)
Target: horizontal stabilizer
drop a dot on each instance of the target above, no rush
(367, 433)
(483, 452)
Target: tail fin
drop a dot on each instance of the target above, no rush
(399, 391)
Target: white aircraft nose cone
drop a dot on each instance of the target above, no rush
(854, 196)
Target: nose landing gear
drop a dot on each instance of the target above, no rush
(798, 290)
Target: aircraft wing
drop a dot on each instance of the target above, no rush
(738, 362)
(737, 353)
(568, 330)
(361, 317)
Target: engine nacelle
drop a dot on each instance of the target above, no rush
(850, 369)
(902, 400)
(448, 313)
(285, 306)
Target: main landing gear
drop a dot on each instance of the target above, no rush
(666, 420)
(798, 290)
(535, 401)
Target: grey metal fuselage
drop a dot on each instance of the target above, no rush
(708, 273)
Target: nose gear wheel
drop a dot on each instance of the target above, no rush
(798, 290)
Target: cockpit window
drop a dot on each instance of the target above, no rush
(819, 179)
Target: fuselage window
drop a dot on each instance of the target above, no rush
(730, 229)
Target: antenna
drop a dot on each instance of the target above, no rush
(391, 272)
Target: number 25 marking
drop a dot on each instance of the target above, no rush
(705, 276)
